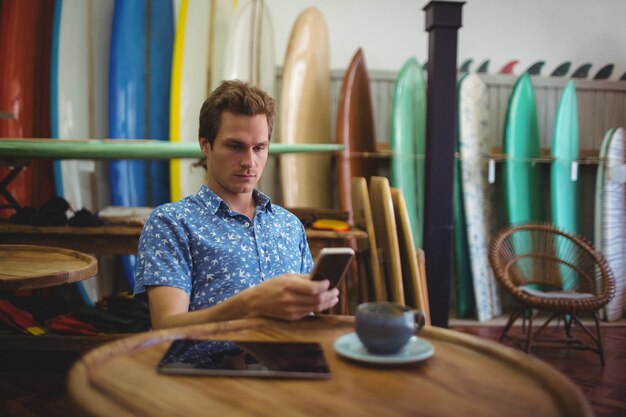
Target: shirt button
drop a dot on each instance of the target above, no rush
(246, 224)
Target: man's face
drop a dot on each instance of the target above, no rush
(236, 160)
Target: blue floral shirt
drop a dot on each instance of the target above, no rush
(202, 247)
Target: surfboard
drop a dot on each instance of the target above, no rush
(362, 216)
(477, 193)
(250, 57)
(305, 113)
(43, 176)
(189, 86)
(521, 175)
(18, 41)
(127, 107)
(463, 290)
(564, 190)
(69, 104)
(387, 237)
(414, 294)
(223, 20)
(610, 215)
(160, 39)
(355, 129)
(408, 142)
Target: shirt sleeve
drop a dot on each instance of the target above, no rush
(307, 259)
(163, 256)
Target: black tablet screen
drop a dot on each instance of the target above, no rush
(235, 358)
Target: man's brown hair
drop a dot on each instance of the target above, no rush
(237, 97)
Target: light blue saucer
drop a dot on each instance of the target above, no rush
(416, 350)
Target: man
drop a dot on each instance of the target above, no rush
(228, 252)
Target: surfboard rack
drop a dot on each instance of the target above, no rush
(128, 149)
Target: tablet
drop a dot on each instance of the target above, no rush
(240, 358)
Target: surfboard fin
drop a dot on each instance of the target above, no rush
(561, 70)
(464, 68)
(484, 67)
(508, 67)
(604, 73)
(582, 71)
(535, 69)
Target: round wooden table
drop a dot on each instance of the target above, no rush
(25, 267)
(467, 376)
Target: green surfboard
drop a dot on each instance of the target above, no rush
(564, 191)
(521, 173)
(408, 137)
(462, 272)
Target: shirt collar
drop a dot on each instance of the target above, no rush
(213, 202)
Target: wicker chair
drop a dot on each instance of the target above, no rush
(547, 269)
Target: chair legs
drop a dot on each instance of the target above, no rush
(530, 339)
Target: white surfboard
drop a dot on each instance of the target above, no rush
(190, 83)
(477, 193)
(250, 58)
(611, 215)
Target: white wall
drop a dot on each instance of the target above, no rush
(499, 30)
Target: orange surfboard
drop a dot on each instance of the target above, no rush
(355, 129)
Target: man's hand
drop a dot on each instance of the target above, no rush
(290, 297)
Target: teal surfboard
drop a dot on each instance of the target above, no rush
(462, 271)
(408, 137)
(563, 190)
(521, 173)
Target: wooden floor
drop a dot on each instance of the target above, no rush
(33, 384)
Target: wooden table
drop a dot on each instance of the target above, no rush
(29, 267)
(466, 377)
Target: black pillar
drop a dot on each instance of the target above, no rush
(443, 19)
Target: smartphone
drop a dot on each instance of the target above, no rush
(332, 264)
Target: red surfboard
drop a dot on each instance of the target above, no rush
(18, 46)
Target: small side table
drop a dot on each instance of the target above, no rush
(25, 267)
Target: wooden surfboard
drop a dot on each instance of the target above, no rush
(250, 57)
(521, 175)
(18, 42)
(305, 113)
(189, 86)
(387, 237)
(477, 193)
(414, 295)
(355, 129)
(362, 216)
(610, 215)
(408, 142)
(463, 287)
(563, 190)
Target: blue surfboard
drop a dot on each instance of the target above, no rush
(160, 34)
(126, 106)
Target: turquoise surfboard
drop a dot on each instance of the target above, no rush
(521, 173)
(563, 190)
(462, 272)
(407, 142)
